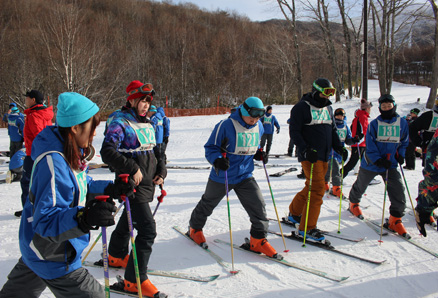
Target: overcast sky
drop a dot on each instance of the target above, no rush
(255, 10)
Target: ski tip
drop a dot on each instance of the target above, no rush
(234, 272)
(286, 250)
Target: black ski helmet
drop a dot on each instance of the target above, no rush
(340, 111)
(386, 98)
(321, 83)
(415, 111)
(390, 113)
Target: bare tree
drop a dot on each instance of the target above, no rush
(434, 83)
(283, 4)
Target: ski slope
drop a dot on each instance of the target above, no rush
(408, 271)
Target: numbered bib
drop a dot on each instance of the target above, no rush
(434, 123)
(342, 133)
(81, 179)
(319, 115)
(388, 132)
(267, 120)
(247, 140)
(145, 135)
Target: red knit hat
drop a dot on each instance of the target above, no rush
(137, 89)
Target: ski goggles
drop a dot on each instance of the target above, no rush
(254, 112)
(328, 91)
(340, 112)
(146, 89)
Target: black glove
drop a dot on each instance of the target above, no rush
(422, 217)
(311, 155)
(221, 163)
(166, 140)
(383, 163)
(118, 188)
(400, 159)
(96, 214)
(261, 155)
(278, 130)
(356, 139)
(343, 152)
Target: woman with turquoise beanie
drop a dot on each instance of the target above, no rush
(61, 209)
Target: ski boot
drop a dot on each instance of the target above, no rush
(294, 218)
(147, 289)
(355, 210)
(395, 224)
(327, 187)
(336, 191)
(198, 236)
(313, 234)
(262, 246)
(117, 262)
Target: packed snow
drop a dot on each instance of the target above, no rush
(408, 271)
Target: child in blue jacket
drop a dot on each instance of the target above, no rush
(238, 137)
(15, 130)
(269, 121)
(60, 209)
(386, 141)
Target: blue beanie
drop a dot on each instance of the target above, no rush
(153, 109)
(12, 104)
(15, 110)
(73, 109)
(252, 102)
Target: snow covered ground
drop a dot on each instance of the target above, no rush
(408, 271)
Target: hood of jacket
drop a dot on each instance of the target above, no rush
(49, 139)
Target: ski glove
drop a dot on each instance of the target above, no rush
(343, 152)
(383, 163)
(400, 159)
(221, 163)
(278, 130)
(119, 187)
(311, 155)
(96, 214)
(261, 155)
(422, 217)
(166, 140)
(357, 139)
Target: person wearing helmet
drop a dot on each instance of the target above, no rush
(314, 132)
(421, 130)
(129, 148)
(359, 128)
(386, 141)
(410, 151)
(231, 148)
(269, 121)
(333, 169)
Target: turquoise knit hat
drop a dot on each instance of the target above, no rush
(153, 109)
(74, 108)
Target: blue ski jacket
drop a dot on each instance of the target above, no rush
(51, 242)
(241, 166)
(376, 150)
(166, 122)
(269, 121)
(157, 123)
(18, 159)
(15, 127)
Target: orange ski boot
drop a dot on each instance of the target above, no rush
(336, 191)
(147, 289)
(198, 236)
(327, 187)
(355, 210)
(396, 225)
(117, 262)
(262, 246)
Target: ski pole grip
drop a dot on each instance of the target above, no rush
(163, 194)
(224, 154)
(124, 178)
(388, 156)
(102, 198)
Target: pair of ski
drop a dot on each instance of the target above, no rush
(325, 245)
(245, 247)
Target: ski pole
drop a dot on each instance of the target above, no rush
(275, 207)
(100, 235)
(384, 200)
(124, 178)
(160, 198)
(224, 154)
(407, 188)
(340, 198)
(105, 252)
(331, 171)
(308, 204)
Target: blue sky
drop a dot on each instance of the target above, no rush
(255, 10)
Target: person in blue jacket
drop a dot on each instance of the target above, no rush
(157, 122)
(60, 209)
(16, 166)
(386, 141)
(166, 133)
(231, 148)
(15, 130)
(335, 158)
(5, 115)
(269, 121)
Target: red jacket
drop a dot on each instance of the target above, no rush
(37, 118)
(359, 126)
